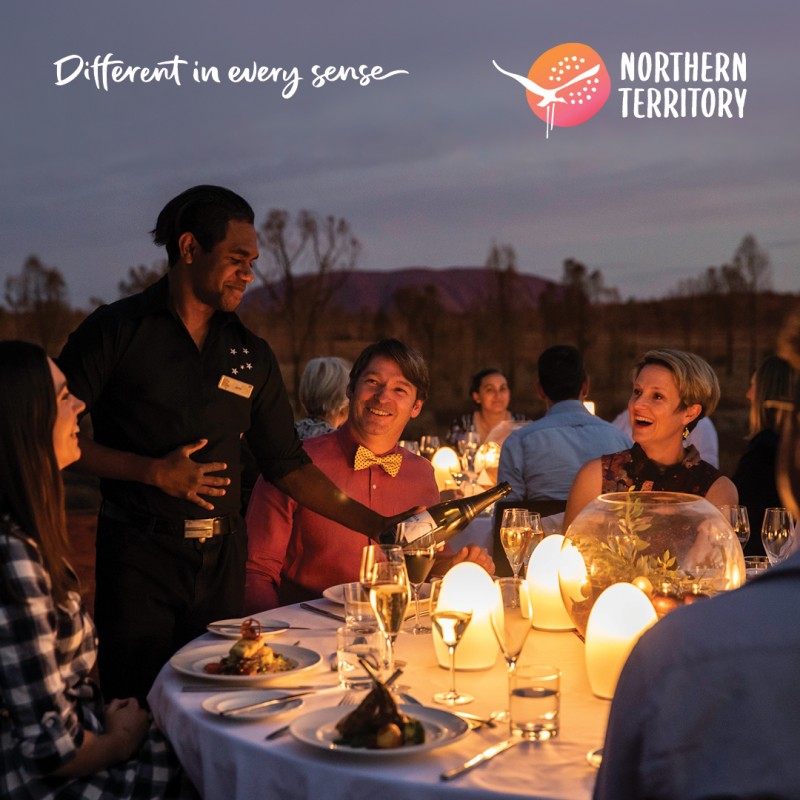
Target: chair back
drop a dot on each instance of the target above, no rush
(502, 569)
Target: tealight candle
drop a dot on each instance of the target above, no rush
(549, 613)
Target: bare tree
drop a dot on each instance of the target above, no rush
(754, 265)
(505, 306)
(139, 278)
(309, 258)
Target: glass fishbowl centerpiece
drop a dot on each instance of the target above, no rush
(677, 548)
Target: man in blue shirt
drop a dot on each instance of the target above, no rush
(540, 460)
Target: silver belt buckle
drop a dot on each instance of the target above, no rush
(201, 529)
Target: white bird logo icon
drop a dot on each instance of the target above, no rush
(548, 95)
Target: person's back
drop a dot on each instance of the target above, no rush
(540, 460)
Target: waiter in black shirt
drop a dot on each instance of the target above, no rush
(173, 381)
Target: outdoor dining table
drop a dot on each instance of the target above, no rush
(230, 759)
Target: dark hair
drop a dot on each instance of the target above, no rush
(476, 380)
(411, 364)
(31, 489)
(204, 211)
(561, 372)
(773, 386)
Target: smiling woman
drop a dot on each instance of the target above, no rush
(672, 391)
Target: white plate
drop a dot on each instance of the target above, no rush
(192, 662)
(229, 628)
(318, 728)
(224, 701)
(335, 594)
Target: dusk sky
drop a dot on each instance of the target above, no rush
(429, 167)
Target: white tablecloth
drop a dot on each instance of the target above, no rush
(230, 759)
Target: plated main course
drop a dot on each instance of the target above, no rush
(250, 655)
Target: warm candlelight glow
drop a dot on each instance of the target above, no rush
(620, 616)
(445, 459)
(468, 587)
(487, 460)
(549, 613)
(590, 406)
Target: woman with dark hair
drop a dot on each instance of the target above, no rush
(57, 738)
(490, 395)
(770, 389)
(672, 391)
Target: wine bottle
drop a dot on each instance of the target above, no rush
(444, 520)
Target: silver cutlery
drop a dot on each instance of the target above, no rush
(488, 754)
(264, 628)
(322, 612)
(273, 701)
(479, 721)
(215, 687)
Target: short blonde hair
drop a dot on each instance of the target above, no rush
(696, 381)
(323, 386)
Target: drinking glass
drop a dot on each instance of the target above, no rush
(516, 534)
(511, 622)
(389, 595)
(428, 445)
(468, 447)
(737, 516)
(374, 554)
(537, 534)
(410, 445)
(419, 556)
(451, 624)
(777, 534)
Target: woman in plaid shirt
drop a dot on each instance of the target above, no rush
(57, 737)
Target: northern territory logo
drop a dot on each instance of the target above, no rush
(566, 85)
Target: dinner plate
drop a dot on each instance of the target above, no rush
(229, 628)
(318, 729)
(192, 663)
(335, 594)
(224, 701)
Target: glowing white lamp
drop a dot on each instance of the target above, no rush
(468, 587)
(445, 459)
(487, 460)
(620, 616)
(590, 406)
(549, 613)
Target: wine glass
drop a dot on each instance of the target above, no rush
(419, 556)
(374, 554)
(410, 445)
(516, 534)
(459, 473)
(511, 622)
(737, 516)
(537, 534)
(451, 623)
(777, 534)
(389, 595)
(468, 447)
(428, 445)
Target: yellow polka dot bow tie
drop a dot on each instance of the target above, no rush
(366, 458)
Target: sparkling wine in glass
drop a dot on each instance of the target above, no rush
(374, 554)
(451, 624)
(419, 557)
(537, 534)
(777, 534)
(389, 595)
(737, 516)
(511, 619)
(515, 535)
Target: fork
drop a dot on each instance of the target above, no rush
(349, 698)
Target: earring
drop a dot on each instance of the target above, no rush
(685, 433)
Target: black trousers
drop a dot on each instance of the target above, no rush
(156, 592)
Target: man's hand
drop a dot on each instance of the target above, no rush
(473, 553)
(178, 476)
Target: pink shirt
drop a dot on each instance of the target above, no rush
(293, 553)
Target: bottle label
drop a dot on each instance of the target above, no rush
(416, 526)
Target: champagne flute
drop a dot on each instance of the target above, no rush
(516, 534)
(737, 516)
(451, 623)
(428, 445)
(389, 595)
(419, 556)
(374, 554)
(777, 534)
(511, 619)
(537, 534)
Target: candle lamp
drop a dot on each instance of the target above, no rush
(444, 460)
(549, 613)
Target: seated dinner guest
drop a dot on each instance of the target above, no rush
(58, 739)
(754, 477)
(706, 705)
(672, 391)
(295, 554)
(490, 418)
(323, 393)
(541, 459)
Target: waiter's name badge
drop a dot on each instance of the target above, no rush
(228, 384)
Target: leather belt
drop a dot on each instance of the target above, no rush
(200, 529)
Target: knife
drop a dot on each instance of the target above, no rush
(322, 611)
(481, 758)
(215, 687)
(273, 701)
